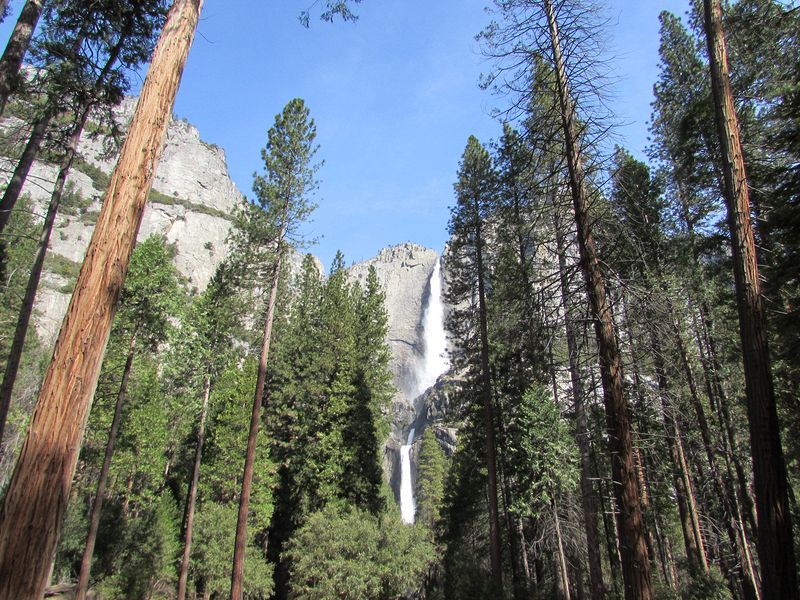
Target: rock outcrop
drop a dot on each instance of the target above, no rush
(192, 204)
(403, 272)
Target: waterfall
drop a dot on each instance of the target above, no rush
(434, 362)
(407, 505)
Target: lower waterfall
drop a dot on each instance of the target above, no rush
(407, 505)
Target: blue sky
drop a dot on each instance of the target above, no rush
(394, 97)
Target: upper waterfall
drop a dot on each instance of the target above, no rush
(434, 360)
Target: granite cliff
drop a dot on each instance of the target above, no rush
(192, 203)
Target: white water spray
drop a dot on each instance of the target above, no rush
(407, 505)
(434, 362)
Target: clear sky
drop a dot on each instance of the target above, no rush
(394, 97)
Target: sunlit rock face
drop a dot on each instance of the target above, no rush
(192, 205)
(403, 272)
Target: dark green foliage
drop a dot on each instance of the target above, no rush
(213, 553)
(542, 451)
(17, 248)
(329, 387)
(344, 552)
(431, 472)
(144, 554)
(151, 293)
(221, 472)
(465, 522)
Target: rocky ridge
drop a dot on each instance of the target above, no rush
(192, 204)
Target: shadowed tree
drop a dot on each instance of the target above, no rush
(775, 541)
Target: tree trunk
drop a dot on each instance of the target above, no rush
(16, 48)
(35, 502)
(237, 572)
(635, 567)
(588, 500)
(14, 187)
(563, 576)
(775, 540)
(488, 419)
(97, 506)
(731, 514)
(190, 500)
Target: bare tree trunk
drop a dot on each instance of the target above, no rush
(775, 540)
(97, 506)
(588, 500)
(14, 187)
(190, 500)
(36, 498)
(240, 546)
(635, 567)
(16, 48)
(563, 576)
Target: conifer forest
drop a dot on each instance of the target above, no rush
(598, 392)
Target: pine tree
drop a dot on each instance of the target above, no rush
(467, 263)
(148, 300)
(775, 541)
(431, 472)
(263, 238)
(14, 54)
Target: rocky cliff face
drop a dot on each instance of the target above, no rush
(191, 204)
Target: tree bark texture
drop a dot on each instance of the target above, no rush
(17, 46)
(633, 549)
(240, 544)
(36, 498)
(97, 506)
(775, 540)
(183, 574)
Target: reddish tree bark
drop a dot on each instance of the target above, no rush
(35, 503)
(775, 540)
